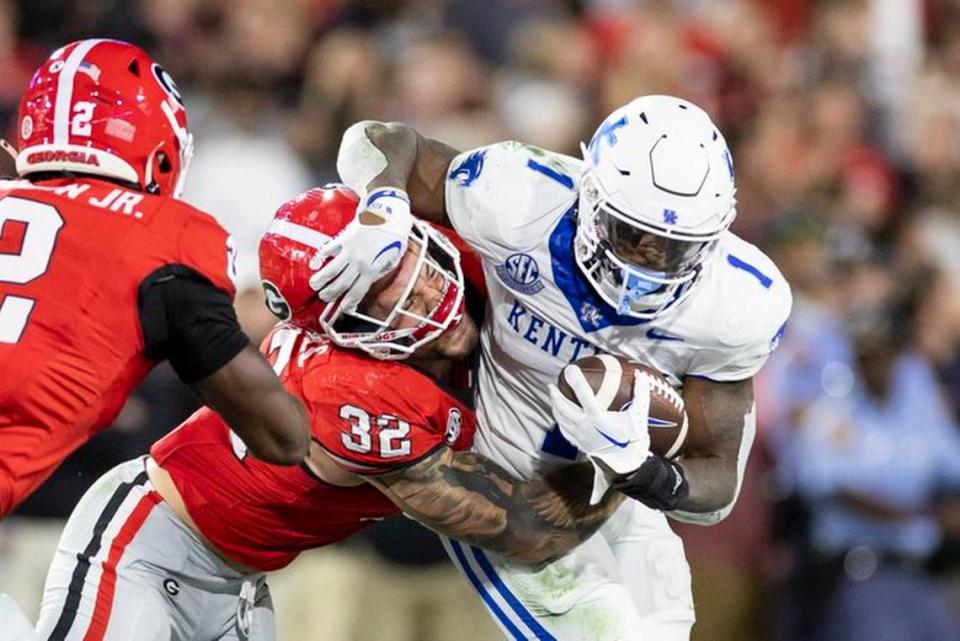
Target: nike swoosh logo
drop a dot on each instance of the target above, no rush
(653, 334)
(394, 245)
(620, 444)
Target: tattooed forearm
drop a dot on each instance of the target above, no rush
(468, 497)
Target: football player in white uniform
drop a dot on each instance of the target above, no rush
(628, 252)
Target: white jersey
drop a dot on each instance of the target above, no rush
(516, 206)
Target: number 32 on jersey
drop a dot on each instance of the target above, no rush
(385, 436)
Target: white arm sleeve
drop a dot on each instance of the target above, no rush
(743, 453)
(358, 160)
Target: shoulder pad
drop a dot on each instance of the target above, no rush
(760, 296)
(204, 244)
(740, 313)
(505, 197)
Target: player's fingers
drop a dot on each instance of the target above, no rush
(641, 393)
(581, 388)
(565, 412)
(330, 249)
(340, 284)
(568, 415)
(557, 400)
(329, 272)
(358, 289)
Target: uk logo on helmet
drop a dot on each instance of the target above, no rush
(521, 273)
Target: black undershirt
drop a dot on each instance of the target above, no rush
(187, 320)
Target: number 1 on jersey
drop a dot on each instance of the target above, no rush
(25, 261)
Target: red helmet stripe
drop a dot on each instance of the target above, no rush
(61, 110)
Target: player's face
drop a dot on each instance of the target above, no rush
(455, 343)
(425, 297)
(647, 250)
(426, 294)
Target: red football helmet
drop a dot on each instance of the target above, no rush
(104, 107)
(306, 223)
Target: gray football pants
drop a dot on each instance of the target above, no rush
(127, 568)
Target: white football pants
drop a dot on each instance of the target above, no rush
(15, 625)
(127, 568)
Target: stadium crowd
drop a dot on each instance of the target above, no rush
(844, 121)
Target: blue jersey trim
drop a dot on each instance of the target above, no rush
(577, 290)
(478, 586)
(555, 443)
(552, 173)
(531, 621)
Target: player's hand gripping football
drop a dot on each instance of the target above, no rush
(615, 442)
(370, 247)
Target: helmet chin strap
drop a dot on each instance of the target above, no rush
(150, 185)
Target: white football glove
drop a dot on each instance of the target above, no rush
(618, 441)
(364, 252)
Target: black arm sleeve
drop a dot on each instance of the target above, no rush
(189, 321)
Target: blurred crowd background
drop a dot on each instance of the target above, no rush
(844, 121)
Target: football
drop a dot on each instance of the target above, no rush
(611, 379)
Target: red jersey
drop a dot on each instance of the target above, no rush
(73, 255)
(370, 416)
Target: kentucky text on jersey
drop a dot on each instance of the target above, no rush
(548, 337)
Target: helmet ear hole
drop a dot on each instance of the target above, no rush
(163, 163)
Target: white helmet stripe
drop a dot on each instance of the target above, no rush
(181, 132)
(299, 233)
(61, 110)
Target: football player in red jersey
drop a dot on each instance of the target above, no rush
(104, 272)
(175, 546)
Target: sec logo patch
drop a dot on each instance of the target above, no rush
(521, 273)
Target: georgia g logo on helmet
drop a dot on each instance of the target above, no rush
(275, 301)
(166, 81)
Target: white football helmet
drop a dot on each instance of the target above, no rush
(656, 195)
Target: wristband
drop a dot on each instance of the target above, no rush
(658, 483)
(388, 202)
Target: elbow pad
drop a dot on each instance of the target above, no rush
(358, 160)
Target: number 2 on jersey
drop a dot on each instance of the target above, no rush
(24, 261)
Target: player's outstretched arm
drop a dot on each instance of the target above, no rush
(375, 155)
(190, 322)
(252, 400)
(395, 169)
(468, 497)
